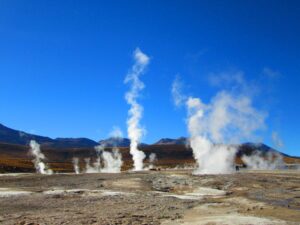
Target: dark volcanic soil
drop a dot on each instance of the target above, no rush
(164, 197)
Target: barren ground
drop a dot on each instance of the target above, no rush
(154, 197)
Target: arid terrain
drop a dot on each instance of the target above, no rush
(166, 197)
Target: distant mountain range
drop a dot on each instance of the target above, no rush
(11, 136)
(170, 141)
(15, 157)
(112, 142)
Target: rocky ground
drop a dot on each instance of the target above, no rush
(153, 197)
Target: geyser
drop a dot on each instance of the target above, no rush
(39, 165)
(76, 165)
(107, 162)
(135, 132)
(112, 161)
(227, 119)
(261, 161)
(152, 160)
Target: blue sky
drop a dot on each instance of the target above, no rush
(63, 63)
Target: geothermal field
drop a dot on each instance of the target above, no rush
(151, 197)
(211, 177)
(153, 112)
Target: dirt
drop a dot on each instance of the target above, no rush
(152, 197)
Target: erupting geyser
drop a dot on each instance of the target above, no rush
(76, 165)
(106, 162)
(134, 130)
(210, 158)
(112, 161)
(39, 165)
(213, 127)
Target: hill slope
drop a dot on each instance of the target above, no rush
(170, 141)
(11, 136)
(15, 157)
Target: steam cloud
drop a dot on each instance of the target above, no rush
(226, 119)
(112, 161)
(106, 162)
(116, 133)
(277, 140)
(152, 160)
(39, 165)
(92, 168)
(259, 161)
(135, 132)
(76, 165)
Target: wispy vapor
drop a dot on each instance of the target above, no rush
(227, 79)
(116, 132)
(277, 140)
(271, 73)
(231, 118)
(260, 161)
(135, 132)
(39, 157)
(176, 91)
(152, 160)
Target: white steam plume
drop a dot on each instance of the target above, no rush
(39, 165)
(152, 160)
(152, 157)
(95, 167)
(134, 130)
(89, 168)
(228, 118)
(210, 158)
(260, 161)
(76, 165)
(106, 162)
(112, 161)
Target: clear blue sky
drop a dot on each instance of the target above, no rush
(63, 63)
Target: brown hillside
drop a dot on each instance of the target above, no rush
(16, 158)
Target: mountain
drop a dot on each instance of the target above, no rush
(249, 148)
(16, 137)
(8, 135)
(170, 141)
(118, 142)
(11, 136)
(73, 143)
(15, 157)
(111, 142)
